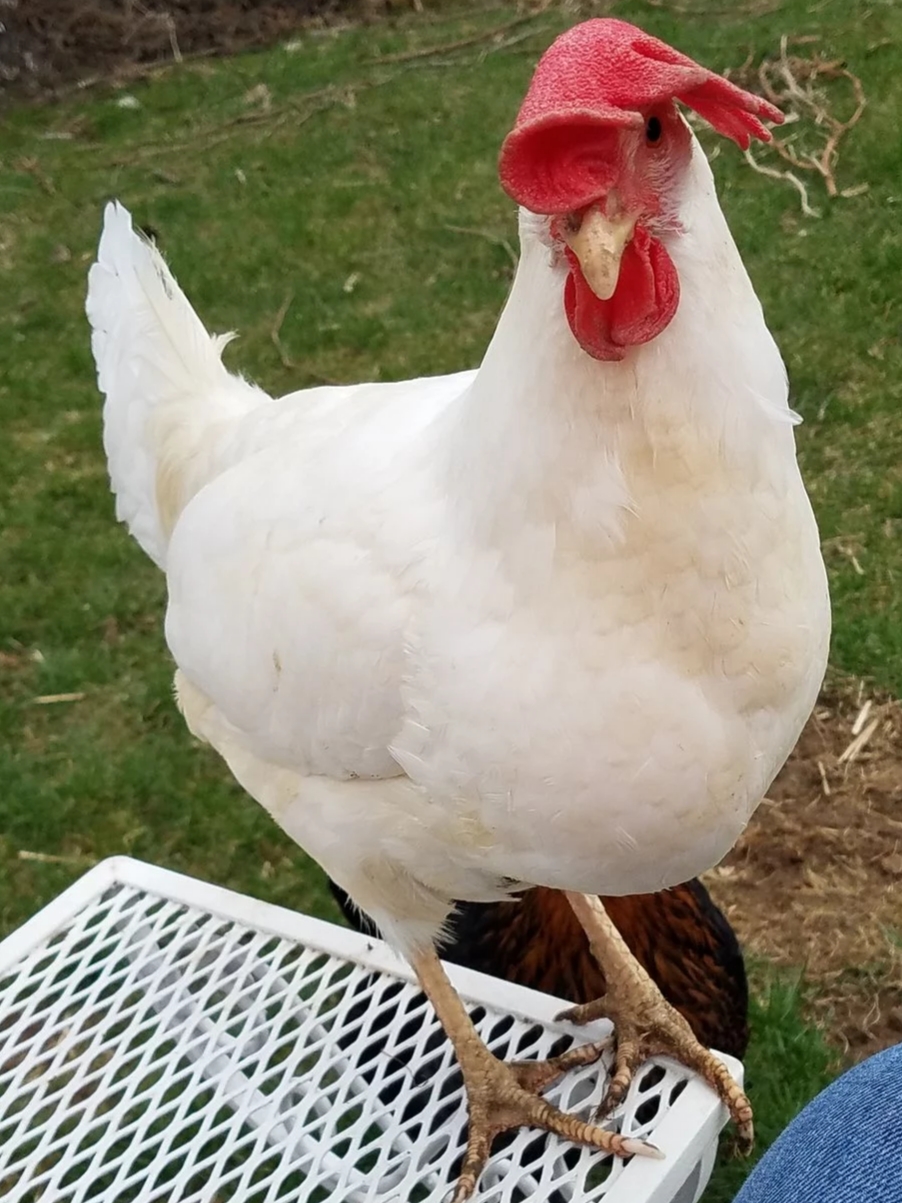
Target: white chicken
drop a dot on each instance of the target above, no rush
(558, 621)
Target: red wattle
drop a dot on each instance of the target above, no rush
(644, 302)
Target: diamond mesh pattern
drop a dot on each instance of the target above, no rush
(151, 1049)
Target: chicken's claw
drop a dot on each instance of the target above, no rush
(646, 1025)
(506, 1095)
(503, 1095)
(649, 1027)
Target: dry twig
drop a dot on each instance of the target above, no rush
(169, 23)
(47, 858)
(755, 8)
(276, 333)
(130, 72)
(862, 717)
(298, 110)
(858, 744)
(487, 35)
(793, 179)
(825, 781)
(794, 84)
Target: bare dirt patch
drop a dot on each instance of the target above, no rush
(815, 880)
(49, 45)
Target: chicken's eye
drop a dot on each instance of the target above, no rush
(653, 130)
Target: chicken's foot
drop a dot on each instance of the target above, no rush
(503, 1095)
(645, 1024)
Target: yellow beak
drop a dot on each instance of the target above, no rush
(599, 244)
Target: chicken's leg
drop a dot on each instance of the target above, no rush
(645, 1024)
(503, 1095)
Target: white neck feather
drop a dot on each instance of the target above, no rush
(546, 432)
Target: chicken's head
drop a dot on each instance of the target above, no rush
(600, 148)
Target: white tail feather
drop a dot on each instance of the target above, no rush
(166, 388)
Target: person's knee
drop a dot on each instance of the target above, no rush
(844, 1147)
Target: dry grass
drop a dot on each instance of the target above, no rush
(803, 87)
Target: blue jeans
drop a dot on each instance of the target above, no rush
(844, 1147)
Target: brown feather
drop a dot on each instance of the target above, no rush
(679, 937)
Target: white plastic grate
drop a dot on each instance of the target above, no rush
(162, 1039)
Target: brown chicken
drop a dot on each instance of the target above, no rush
(678, 936)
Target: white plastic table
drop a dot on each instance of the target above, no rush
(166, 1040)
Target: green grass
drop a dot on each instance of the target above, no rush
(365, 195)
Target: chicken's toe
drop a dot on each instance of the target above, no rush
(646, 1025)
(504, 1096)
(653, 1028)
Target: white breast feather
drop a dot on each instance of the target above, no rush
(550, 622)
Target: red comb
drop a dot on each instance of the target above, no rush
(600, 74)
